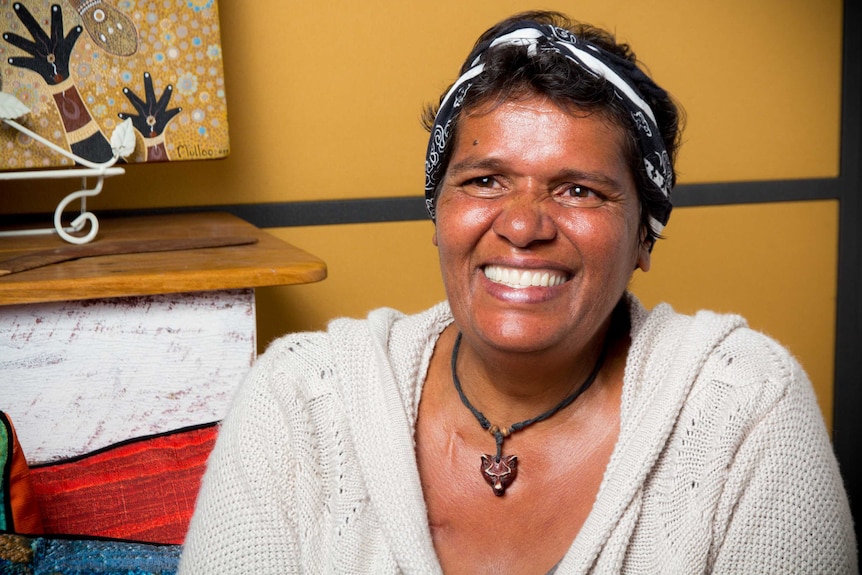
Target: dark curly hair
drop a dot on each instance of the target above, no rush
(510, 73)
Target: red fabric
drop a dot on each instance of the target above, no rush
(143, 490)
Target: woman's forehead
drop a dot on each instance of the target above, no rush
(536, 129)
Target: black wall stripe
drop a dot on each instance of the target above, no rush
(412, 208)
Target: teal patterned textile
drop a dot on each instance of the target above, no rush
(66, 556)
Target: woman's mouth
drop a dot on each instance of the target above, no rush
(521, 278)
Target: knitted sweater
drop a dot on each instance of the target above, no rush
(722, 464)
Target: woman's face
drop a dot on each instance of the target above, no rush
(536, 195)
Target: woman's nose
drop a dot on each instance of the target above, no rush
(524, 219)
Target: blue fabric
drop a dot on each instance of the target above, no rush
(57, 556)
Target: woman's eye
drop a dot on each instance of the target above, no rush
(581, 192)
(482, 182)
(576, 195)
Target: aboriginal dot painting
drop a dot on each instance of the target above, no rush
(82, 67)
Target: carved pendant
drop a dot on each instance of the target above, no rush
(499, 474)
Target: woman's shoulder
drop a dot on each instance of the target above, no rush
(707, 333)
(308, 382)
(381, 324)
(295, 361)
(734, 425)
(721, 359)
(309, 362)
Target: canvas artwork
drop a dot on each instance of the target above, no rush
(83, 67)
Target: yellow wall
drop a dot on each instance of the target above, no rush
(324, 100)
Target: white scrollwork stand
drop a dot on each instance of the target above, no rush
(122, 144)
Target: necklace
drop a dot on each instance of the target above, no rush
(499, 470)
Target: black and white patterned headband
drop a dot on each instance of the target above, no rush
(592, 59)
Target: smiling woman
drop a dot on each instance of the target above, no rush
(541, 419)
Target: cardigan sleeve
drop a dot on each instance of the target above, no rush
(784, 508)
(283, 491)
(242, 521)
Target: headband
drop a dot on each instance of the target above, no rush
(599, 63)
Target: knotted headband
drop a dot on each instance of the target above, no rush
(621, 73)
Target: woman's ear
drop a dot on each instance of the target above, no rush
(434, 237)
(643, 261)
(644, 252)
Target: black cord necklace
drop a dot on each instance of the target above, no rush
(500, 471)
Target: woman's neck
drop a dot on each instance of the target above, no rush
(510, 386)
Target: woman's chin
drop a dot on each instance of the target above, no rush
(519, 336)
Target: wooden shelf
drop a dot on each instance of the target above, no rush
(267, 262)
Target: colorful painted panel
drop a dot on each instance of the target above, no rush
(84, 66)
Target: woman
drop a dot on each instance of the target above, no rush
(540, 420)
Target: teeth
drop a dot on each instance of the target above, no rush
(522, 278)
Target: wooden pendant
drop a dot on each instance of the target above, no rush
(499, 473)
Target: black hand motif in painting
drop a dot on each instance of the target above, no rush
(153, 116)
(49, 56)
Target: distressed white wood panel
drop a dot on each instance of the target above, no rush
(78, 376)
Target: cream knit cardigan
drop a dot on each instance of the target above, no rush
(722, 465)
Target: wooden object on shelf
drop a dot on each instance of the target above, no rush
(266, 262)
(40, 258)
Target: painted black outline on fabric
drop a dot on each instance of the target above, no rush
(123, 443)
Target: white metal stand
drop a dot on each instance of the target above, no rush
(122, 144)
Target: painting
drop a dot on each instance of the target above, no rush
(83, 67)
